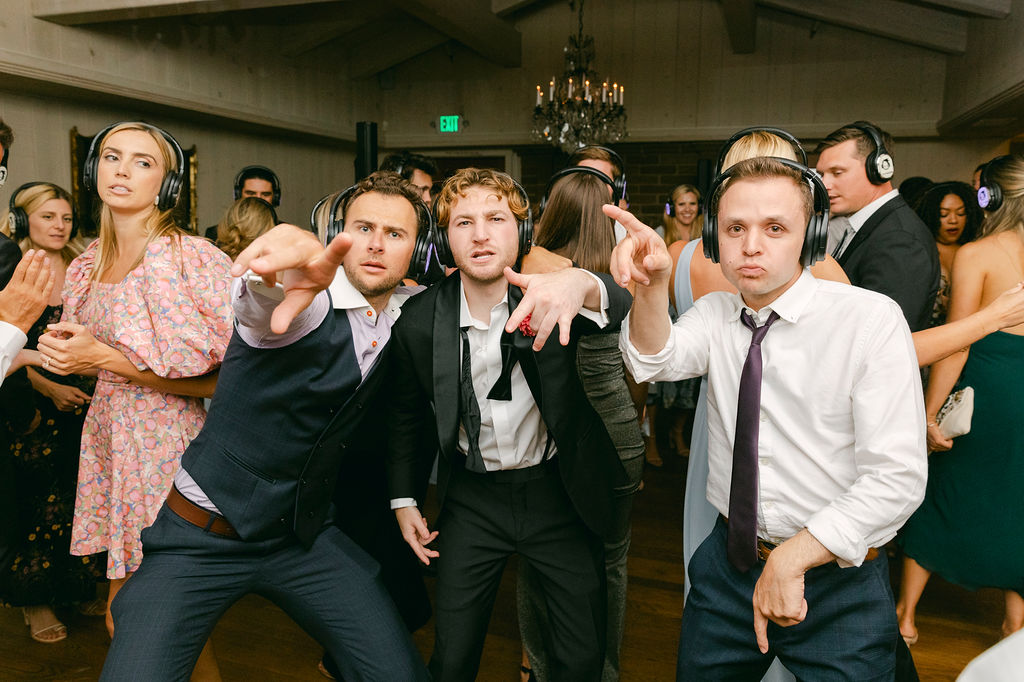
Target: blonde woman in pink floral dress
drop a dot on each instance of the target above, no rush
(146, 308)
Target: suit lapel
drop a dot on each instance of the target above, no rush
(864, 233)
(446, 362)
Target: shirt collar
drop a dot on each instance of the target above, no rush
(858, 219)
(344, 296)
(466, 319)
(789, 305)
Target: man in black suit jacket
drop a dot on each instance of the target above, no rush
(249, 511)
(886, 248)
(525, 463)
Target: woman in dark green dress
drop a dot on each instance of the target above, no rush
(40, 572)
(969, 527)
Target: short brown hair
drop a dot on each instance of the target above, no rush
(501, 183)
(865, 145)
(596, 154)
(764, 167)
(386, 183)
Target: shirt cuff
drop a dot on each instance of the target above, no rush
(838, 536)
(12, 340)
(253, 312)
(598, 317)
(644, 367)
(402, 502)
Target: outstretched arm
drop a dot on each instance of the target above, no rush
(937, 343)
(295, 258)
(643, 258)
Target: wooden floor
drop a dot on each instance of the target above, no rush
(256, 642)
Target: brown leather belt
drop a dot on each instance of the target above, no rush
(197, 516)
(764, 548)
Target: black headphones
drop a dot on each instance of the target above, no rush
(425, 229)
(444, 249)
(263, 173)
(619, 184)
(878, 165)
(170, 188)
(18, 218)
(816, 237)
(571, 170)
(3, 166)
(788, 137)
(990, 194)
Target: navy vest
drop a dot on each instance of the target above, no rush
(261, 455)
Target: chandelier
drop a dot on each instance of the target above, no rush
(578, 108)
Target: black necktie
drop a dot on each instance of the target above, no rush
(743, 490)
(502, 388)
(470, 409)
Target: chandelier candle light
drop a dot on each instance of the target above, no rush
(575, 113)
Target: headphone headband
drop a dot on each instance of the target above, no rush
(170, 188)
(816, 237)
(572, 170)
(619, 183)
(786, 135)
(245, 174)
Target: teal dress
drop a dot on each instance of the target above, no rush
(968, 529)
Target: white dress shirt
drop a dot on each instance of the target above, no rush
(841, 448)
(12, 340)
(370, 333)
(857, 220)
(513, 434)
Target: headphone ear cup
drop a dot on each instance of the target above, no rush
(19, 223)
(526, 233)
(709, 236)
(170, 189)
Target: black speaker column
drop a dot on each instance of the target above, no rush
(366, 148)
(705, 175)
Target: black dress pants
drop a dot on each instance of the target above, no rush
(485, 519)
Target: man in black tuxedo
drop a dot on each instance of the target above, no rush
(249, 511)
(525, 463)
(886, 247)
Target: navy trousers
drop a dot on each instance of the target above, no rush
(849, 633)
(189, 577)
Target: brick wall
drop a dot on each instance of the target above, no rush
(652, 170)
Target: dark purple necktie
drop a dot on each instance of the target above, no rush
(742, 548)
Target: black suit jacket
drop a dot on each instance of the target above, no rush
(895, 254)
(425, 386)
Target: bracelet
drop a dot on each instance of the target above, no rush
(933, 423)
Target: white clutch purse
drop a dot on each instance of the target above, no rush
(954, 419)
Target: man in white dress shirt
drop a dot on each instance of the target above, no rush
(839, 453)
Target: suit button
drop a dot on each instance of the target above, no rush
(343, 446)
(283, 521)
(359, 406)
(309, 514)
(302, 481)
(327, 481)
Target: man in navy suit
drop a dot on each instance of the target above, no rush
(249, 511)
(526, 466)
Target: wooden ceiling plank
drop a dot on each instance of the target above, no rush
(79, 12)
(472, 23)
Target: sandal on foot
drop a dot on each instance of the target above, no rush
(95, 608)
(59, 630)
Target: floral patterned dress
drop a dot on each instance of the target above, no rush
(172, 315)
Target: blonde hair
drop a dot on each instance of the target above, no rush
(500, 183)
(31, 200)
(669, 223)
(248, 218)
(1008, 173)
(158, 223)
(758, 143)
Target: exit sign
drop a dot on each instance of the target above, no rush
(449, 124)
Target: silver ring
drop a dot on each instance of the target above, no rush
(46, 361)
